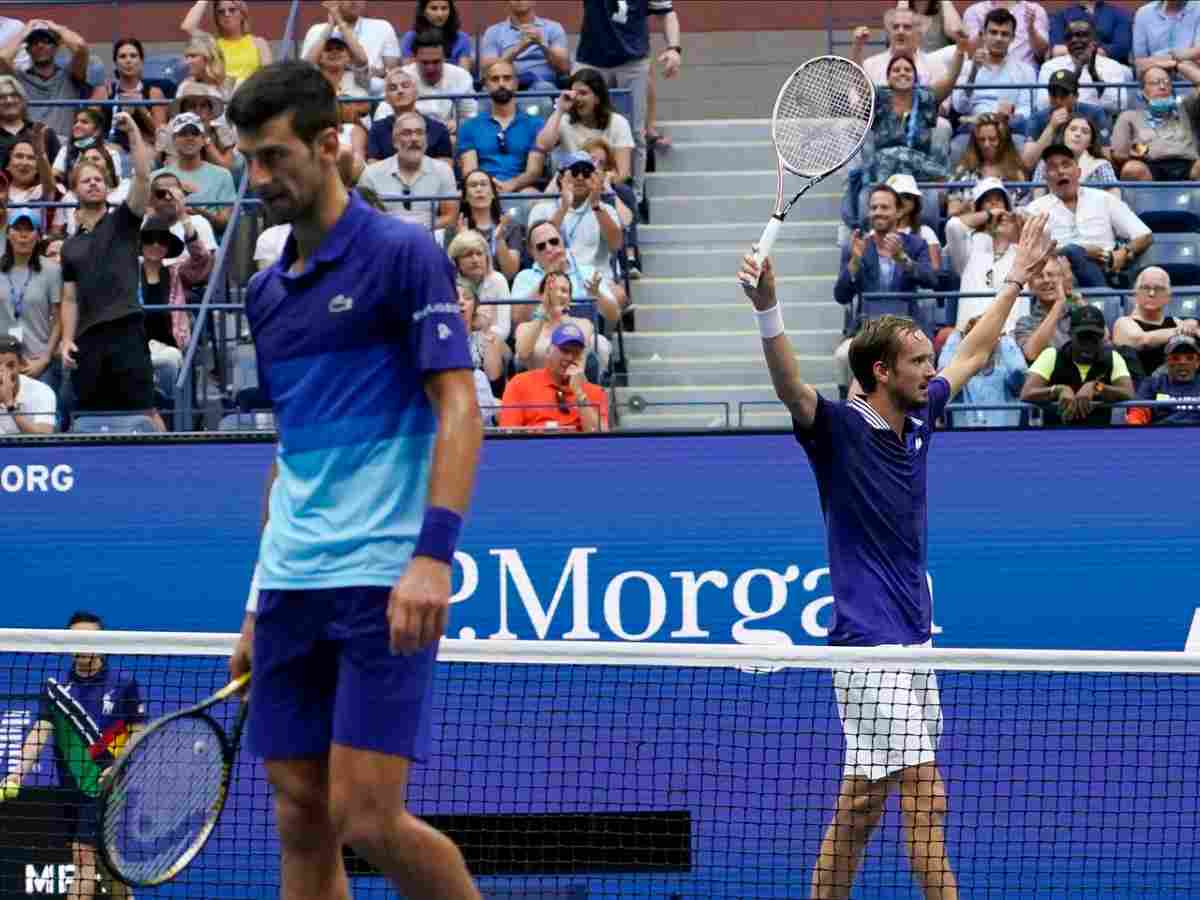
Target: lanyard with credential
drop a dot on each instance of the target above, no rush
(18, 296)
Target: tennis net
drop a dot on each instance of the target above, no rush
(597, 770)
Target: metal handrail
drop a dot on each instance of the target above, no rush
(940, 295)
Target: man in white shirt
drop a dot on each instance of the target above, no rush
(411, 173)
(982, 245)
(1031, 41)
(592, 229)
(26, 405)
(988, 76)
(1093, 71)
(436, 76)
(377, 37)
(903, 38)
(1086, 222)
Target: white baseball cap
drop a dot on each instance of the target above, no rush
(904, 184)
(986, 186)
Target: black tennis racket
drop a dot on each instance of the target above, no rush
(163, 797)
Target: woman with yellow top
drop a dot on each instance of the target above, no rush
(244, 52)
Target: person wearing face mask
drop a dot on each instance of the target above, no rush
(1070, 383)
(400, 88)
(503, 141)
(86, 132)
(1159, 142)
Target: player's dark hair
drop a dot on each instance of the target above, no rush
(291, 86)
(597, 85)
(430, 37)
(1001, 17)
(85, 616)
(879, 340)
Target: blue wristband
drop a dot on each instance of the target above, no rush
(439, 534)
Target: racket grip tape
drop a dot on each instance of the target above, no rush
(765, 243)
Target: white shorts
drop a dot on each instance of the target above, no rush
(891, 720)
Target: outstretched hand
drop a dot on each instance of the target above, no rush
(1033, 250)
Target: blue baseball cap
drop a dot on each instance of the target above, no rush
(23, 213)
(578, 158)
(568, 333)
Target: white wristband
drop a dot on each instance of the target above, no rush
(252, 598)
(770, 322)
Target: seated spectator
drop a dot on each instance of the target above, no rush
(352, 135)
(45, 79)
(1031, 27)
(65, 220)
(987, 77)
(584, 111)
(410, 172)
(339, 57)
(436, 77)
(533, 337)
(903, 38)
(1047, 125)
(558, 395)
(1166, 35)
(440, 16)
(87, 131)
(938, 23)
(1086, 222)
(623, 200)
(15, 124)
(1079, 136)
(400, 88)
(551, 255)
(29, 176)
(205, 101)
(982, 245)
(1093, 73)
(1159, 142)
(488, 404)
(997, 383)
(480, 212)
(1148, 328)
(1048, 323)
(1112, 26)
(206, 64)
(168, 205)
(472, 258)
(206, 183)
(990, 153)
(591, 226)
(503, 141)
(909, 221)
(26, 405)
(377, 37)
(896, 144)
(129, 60)
(536, 46)
(1177, 382)
(245, 53)
(169, 332)
(30, 291)
(1071, 382)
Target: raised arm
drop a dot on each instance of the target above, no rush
(78, 47)
(194, 20)
(798, 397)
(140, 153)
(942, 88)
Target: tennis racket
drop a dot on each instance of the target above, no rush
(162, 799)
(822, 116)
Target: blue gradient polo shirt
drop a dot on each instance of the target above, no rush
(343, 350)
(873, 497)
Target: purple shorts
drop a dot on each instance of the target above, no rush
(324, 673)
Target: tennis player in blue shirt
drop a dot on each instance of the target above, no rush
(869, 457)
(364, 355)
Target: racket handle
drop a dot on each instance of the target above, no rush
(767, 241)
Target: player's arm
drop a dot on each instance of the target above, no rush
(31, 749)
(798, 397)
(239, 663)
(1034, 248)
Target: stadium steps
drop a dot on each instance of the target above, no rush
(695, 360)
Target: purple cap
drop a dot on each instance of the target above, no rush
(568, 333)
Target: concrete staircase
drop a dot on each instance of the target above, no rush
(696, 359)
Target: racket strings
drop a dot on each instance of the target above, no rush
(822, 116)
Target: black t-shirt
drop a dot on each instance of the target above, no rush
(158, 321)
(103, 265)
(1153, 357)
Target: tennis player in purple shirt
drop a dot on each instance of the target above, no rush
(869, 457)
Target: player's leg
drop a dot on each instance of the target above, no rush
(923, 813)
(83, 885)
(860, 805)
(311, 852)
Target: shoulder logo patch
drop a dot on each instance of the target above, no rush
(444, 332)
(341, 303)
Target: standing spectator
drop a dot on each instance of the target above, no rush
(1159, 142)
(87, 131)
(994, 67)
(65, 221)
(550, 254)
(536, 46)
(997, 383)
(1148, 328)
(1049, 321)
(377, 37)
(1091, 71)
(1111, 24)
(26, 405)
(206, 101)
(485, 348)
(584, 111)
(1166, 35)
(558, 395)
(1046, 125)
(938, 22)
(982, 245)
(400, 88)
(1086, 222)
(129, 60)
(533, 338)
(1031, 40)
(30, 291)
(213, 184)
(503, 142)
(436, 77)
(30, 178)
(411, 172)
(591, 226)
(480, 212)
(15, 124)
(440, 16)
(206, 64)
(244, 52)
(1178, 382)
(909, 220)
(614, 41)
(1071, 383)
(169, 332)
(904, 39)
(45, 79)
(1079, 135)
(111, 361)
(472, 257)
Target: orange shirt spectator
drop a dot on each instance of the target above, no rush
(557, 396)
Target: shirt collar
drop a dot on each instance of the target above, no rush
(337, 243)
(875, 420)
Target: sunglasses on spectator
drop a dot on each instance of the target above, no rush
(549, 242)
(162, 194)
(502, 141)
(1079, 32)
(407, 192)
(581, 170)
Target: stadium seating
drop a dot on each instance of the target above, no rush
(112, 424)
(1178, 254)
(1166, 209)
